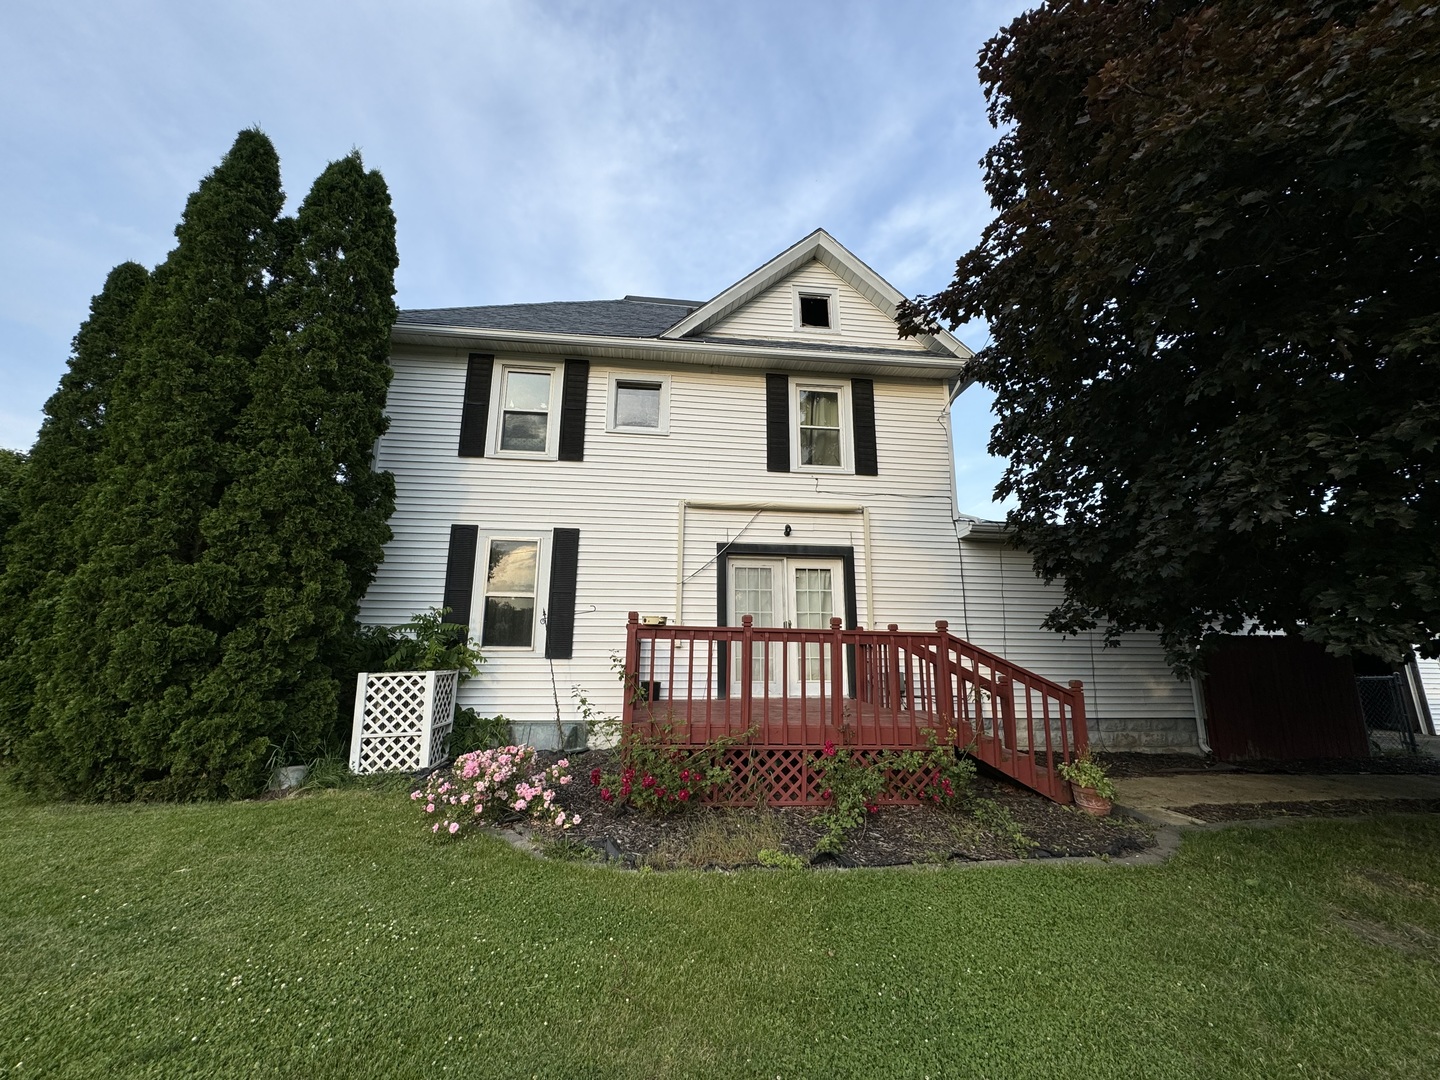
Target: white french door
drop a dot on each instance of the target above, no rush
(800, 593)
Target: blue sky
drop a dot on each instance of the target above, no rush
(534, 151)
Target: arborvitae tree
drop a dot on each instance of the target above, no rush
(136, 626)
(299, 531)
(231, 520)
(40, 550)
(12, 467)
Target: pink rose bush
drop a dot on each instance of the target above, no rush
(490, 785)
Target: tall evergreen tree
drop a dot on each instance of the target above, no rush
(298, 533)
(136, 625)
(41, 548)
(230, 520)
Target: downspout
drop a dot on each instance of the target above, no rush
(1202, 728)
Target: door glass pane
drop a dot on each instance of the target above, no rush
(814, 607)
(637, 405)
(754, 588)
(814, 599)
(755, 594)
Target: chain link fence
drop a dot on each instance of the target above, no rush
(1387, 721)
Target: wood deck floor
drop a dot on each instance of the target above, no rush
(789, 722)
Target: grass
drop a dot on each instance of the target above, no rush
(329, 936)
(721, 840)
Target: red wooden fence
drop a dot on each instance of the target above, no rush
(871, 690)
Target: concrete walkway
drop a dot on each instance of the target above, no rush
(1155, 796)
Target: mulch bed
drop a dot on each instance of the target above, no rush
(999, 821)
(1211, 812)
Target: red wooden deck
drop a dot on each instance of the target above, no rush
(868, 690)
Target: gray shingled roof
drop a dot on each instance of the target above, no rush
(634, 316)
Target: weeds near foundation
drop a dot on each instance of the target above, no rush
(736, 838)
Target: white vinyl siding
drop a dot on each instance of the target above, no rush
(624, 500)
(773, 315)
(1430, 683)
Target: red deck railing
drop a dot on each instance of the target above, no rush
(872, 690)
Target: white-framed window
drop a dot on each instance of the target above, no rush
(525, 410)
(639, 404)
(509, 590)
(817, 310)
(820, 427)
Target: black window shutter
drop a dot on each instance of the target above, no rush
(862, 405)
(460, 572)
(777, 422)
(572, 411)
(475, 412)
(560, 609)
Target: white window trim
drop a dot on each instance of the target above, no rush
(832, 294)
(497, 409)
(611, 401)
(542, 586)
(847, 426)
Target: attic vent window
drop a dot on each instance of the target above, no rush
(815, 311)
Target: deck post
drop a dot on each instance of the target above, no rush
(1006, 692)
(747, 669)
(632, 676)
(837, 675)
(1077, 713)
(943, 703)
(892, 673)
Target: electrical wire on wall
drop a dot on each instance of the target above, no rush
(728, 544)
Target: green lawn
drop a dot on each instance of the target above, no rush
(330, 936)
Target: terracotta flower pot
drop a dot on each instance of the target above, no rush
(1090, 800)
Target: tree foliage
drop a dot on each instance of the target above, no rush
(43, 549)
(1213, 287)
(232, 520)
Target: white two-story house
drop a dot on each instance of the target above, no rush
(776, 451)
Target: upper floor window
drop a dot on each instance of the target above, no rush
(640, 404)
(527, 408)
(820, 420)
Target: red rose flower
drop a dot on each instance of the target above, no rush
(829, 748)
(683, 795)
(659, 792)
(684, 774)
(595, 776)
(825, 794)
(606, 794)
(647, 781)
(871, 808)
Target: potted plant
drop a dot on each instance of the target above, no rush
(1092, 788)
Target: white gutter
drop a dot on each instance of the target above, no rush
(788, 508)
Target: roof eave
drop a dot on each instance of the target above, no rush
(916, 365)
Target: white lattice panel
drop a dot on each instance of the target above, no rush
(402, 720)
